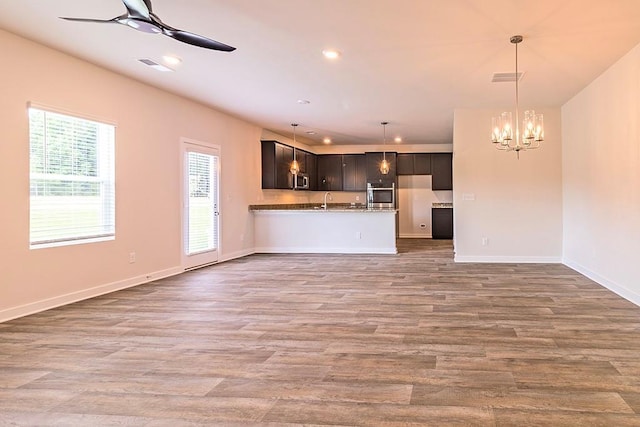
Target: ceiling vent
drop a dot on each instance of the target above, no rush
(506, 77)
(155, 65)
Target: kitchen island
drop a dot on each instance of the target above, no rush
(308, 228)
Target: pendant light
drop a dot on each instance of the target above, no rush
(295, 167)
(384, 166)
(502, 126)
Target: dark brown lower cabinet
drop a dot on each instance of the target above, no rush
(442, 223)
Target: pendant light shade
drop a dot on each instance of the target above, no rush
(384, 165)
(503, 135)
(295, 167)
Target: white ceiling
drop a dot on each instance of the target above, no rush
(409, 62)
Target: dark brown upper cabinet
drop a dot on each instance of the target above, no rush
(373, 168)
(276, 162)
(276, 165)
(422, 164)
(354, 172)
(413, 164)
(311, 169)
(330, 172)
(441, 171)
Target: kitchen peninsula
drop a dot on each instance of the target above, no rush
(312, 228)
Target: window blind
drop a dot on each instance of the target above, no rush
(72, 194)
(203, 231)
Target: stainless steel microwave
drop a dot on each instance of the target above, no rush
(381, 197)
(300, 181)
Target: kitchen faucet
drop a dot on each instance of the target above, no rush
(327, 194)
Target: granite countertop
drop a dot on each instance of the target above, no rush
(317, 207)
(442, 205)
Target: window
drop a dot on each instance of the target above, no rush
(71, 179)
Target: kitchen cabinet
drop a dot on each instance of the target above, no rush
(442, 223)
(373, 168)
(422, 164)
(354, 173)
(284, 158)
(312, 170)
(308, 165)
(301, 157)
(441, 171)
(329, 172)
(276, 162)
(413, 164)
(404, 164)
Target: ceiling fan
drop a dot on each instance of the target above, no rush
(140, 17)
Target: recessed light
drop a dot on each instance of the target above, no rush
(326, 140)
(172, 60)
(397, 139)
(331, 54)
(303, 101)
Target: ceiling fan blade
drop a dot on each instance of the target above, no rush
(140, 17)
(197, 40)
(138, 8)
(99, 21)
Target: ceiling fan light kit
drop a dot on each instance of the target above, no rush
(502, 134)
(140, 17)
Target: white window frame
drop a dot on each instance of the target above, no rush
(105, 147)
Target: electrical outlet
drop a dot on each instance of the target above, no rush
(485, 241)
(358, 235)
(357, 198)
(132, 257)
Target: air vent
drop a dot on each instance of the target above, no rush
(506, 77)
(155, 65)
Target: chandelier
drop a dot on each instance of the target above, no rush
(295, 167)
(384, 165)
(502, 134)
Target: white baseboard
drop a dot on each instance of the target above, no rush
(507, 259)
(237, 254)
(323, 250)
(625, 293)
(47, 304)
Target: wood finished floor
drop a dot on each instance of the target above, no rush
(412, 339)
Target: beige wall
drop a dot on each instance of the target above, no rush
(150, 124)
(517, 204)
(601, 178)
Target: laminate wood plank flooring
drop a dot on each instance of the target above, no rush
(410, 339)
